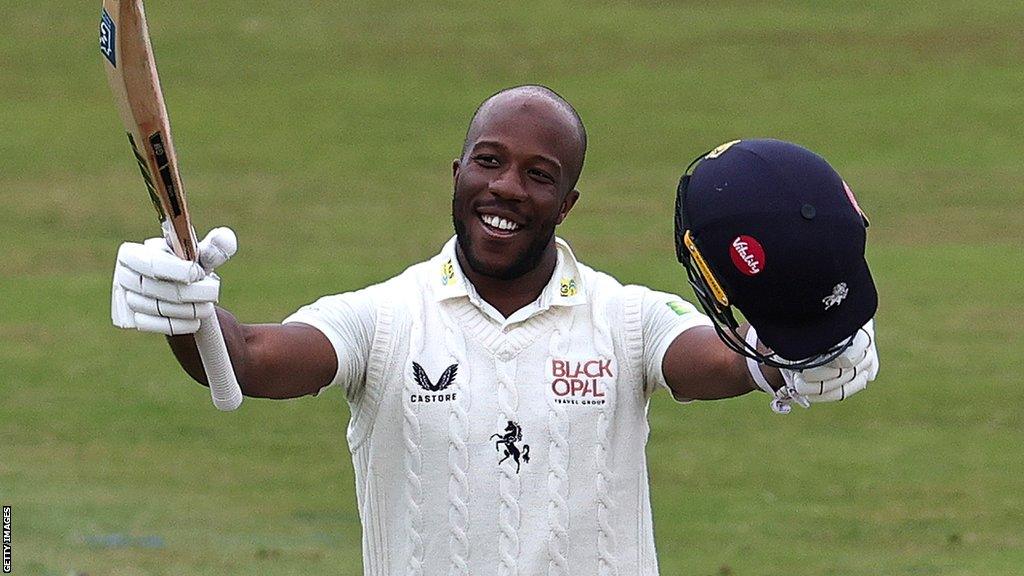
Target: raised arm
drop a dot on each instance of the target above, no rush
(685, 352)
(698, 366)
(155, 291)
(270, 360)
(683, 349)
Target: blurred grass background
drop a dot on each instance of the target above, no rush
(322, 132)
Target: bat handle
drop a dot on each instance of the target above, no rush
(224, 388)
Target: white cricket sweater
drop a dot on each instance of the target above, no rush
(484, 445)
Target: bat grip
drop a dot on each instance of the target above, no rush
(213, 351)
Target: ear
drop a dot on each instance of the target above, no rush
(567, 203)
(456, 164)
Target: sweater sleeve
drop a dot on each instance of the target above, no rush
(347, 320)
(665, 317)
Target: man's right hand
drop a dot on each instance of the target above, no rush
(155, 291)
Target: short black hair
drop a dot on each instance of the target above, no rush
(544, 91)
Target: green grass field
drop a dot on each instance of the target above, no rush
(323, 134)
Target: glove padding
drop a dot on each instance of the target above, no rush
(155, 291)
(841, 378)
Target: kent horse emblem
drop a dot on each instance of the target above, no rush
(446, 379)
(513, 433)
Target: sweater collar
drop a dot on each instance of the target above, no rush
(565, 288)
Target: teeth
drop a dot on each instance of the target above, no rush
(499, 222)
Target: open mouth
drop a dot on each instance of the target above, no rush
(499, 226)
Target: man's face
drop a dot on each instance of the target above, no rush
(513, 184)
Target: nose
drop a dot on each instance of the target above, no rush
(507, 185)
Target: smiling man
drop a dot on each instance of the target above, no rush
(499, 390)
(514, 183)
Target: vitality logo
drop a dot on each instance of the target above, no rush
(447, 379)
(747, 255)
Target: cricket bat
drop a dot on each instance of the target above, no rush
(131, 72)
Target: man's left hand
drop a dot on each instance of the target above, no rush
(841, 378)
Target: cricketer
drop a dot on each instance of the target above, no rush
(499, 390)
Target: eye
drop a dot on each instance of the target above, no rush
(541, 176)
(485, 160)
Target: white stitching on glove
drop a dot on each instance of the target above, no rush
(155, 291)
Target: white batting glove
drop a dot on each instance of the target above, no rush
(155, 291)
(841, 378)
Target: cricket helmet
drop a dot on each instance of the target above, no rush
(770, 229)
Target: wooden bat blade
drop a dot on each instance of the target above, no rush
(133, 78)
(131, 72)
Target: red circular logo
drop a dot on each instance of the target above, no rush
(747, 255)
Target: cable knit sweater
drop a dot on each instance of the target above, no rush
(508, 446)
